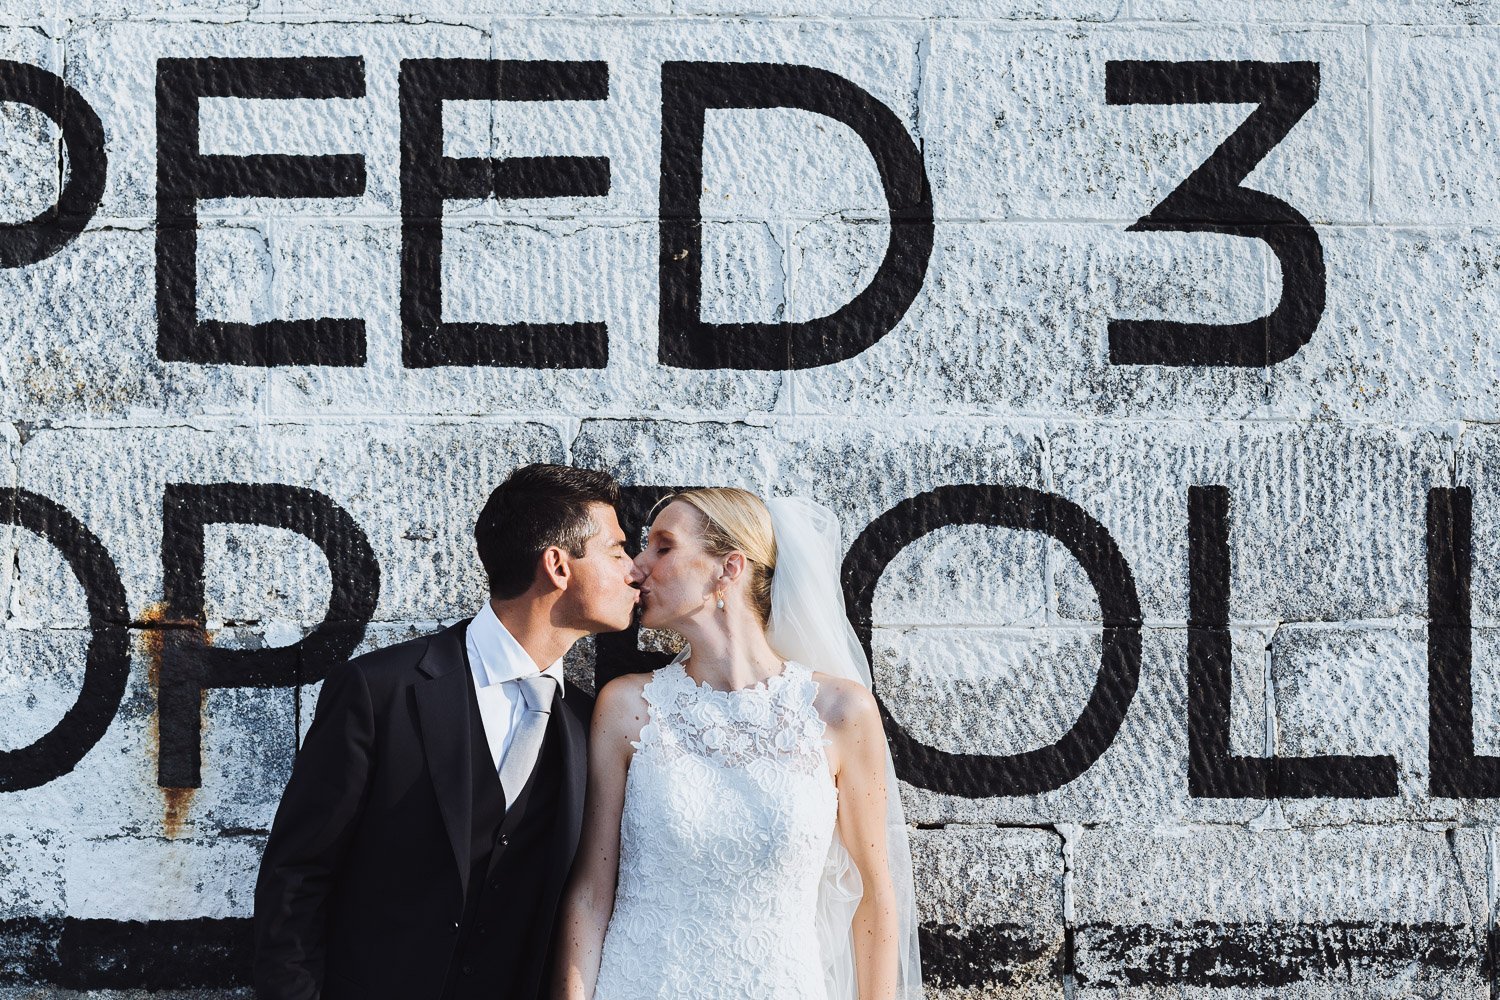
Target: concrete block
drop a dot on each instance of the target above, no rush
(1406, 336)
(1416, 12)
(245, 749)
(766, 161)
(113, 64)
(31, 873)
(258, 574)
(752, 160)
(644, 452)
(511, 274)
(1326, 519)
(249, 738)
(991, 902)
(745, 273)
(45, 592)
(215, 877)
(43, 674)
(475, 9)
(1347, 689)
(1484, 675)
(234, 273)
(84, 12)
(112, 790)
(994, 693)
(1013, 319)
(88, 347)
(1017, 10)
(812, 458)
(1018, 126)
(507, 272)
(1436, 103)
(986, 691)
(413, 490)
(32, 167)
(1317, 913)
(1477, 450)
(967, 575)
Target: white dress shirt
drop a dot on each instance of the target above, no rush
(497, 658)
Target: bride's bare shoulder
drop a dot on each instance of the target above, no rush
(845, 705)
(620, 708)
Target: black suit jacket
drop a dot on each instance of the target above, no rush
(362, 885)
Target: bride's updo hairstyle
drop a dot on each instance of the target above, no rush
(736, 519)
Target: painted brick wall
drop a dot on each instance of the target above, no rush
(1193, 667)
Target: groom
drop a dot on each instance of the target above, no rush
(435, 805)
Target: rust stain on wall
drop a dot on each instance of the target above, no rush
(154, 624)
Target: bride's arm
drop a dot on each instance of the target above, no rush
(588, 900)
(859, 743)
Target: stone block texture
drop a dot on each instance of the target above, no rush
(1155, 634)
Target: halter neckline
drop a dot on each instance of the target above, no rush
(759, 687)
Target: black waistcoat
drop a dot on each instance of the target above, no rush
(507, 924)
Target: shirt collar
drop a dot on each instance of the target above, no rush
(495, 656)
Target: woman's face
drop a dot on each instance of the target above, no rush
(675, 574)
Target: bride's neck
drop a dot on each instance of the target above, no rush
(730, 653)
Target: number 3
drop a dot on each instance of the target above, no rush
(1211, 200)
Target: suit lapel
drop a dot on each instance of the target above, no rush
(443, 714)
(575, 767)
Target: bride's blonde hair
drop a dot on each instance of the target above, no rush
(736, 520)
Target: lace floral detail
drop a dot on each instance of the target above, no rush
(729, 813)
(770, 721)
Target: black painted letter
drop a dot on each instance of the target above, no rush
(107, 665)
(428, 178)
(190, 665)
(184, 176)
(1213, 772)
(688, 90)
(1049, 767)
(23, 243)
(1455, 770)
(1211, 200)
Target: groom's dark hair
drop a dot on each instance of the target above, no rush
(538, 507)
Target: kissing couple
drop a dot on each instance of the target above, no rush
(725, 827)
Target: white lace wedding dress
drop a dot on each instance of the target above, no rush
(729, 812)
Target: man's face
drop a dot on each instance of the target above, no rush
(601, 598)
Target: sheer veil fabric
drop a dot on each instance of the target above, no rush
(809, 625)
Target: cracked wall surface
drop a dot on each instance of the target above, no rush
(1146, 873)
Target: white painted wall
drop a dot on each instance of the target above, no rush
(987, 639)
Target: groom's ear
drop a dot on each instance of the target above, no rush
(553, 566)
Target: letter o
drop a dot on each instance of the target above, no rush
(1046, 768)
(107, 666)
(25, 243)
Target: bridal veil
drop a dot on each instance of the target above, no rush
(809, 625)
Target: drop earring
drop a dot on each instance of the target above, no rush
(720, 602)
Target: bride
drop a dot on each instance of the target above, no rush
(743, 839)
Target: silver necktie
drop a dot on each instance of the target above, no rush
(521, 756)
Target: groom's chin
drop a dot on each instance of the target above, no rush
(631, 619)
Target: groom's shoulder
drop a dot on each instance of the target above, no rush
(394, 662)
